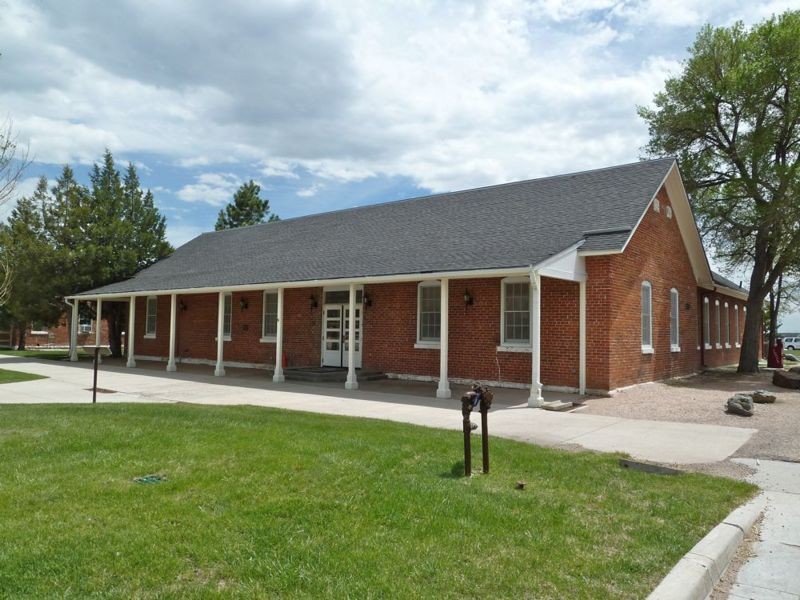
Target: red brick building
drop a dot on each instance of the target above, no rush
(590, 281)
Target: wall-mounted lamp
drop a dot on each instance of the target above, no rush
(312, 302)
(688, 306)
(367, 300)
(468, 299)
(243, 304)
(182, 306)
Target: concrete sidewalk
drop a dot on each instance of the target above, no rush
(658, 441)
(774, 569)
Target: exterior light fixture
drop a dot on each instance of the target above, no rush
(367, 300)
(312, 302)
(182, 306)
(243, 304)
(468, 299)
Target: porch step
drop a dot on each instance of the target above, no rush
(328, 374)
(558, 405)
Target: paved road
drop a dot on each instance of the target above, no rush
(774, 570)
(659, 441)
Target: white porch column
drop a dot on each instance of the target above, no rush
(173, 310)
(352, 382)
(219, 369)
(535, 399)
(130, 335)
(98, 334)
(443, 391)
(277, 376)
(73, 332)
(582, 337)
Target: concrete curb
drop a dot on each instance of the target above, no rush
(699, 570)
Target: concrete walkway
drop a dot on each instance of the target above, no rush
(659, 441)
(774, 570)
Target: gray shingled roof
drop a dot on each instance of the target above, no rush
(724, 281)
(500, 226)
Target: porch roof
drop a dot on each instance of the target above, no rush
(512, 225)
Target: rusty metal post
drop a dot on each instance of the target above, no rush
(94, 387)
(466, 410)
(485, 437)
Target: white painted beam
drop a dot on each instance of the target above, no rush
(352, 382)
(443, 391)
(277, 376)
(582, 338)
(98, 334)
(219, 369)
(173, 310)
(73, 332)
(130, 335)
(535, 399)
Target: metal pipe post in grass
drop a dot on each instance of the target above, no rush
(94, 385)
(466, 411)
(486, 398)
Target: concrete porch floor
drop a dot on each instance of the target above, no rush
(402, 401)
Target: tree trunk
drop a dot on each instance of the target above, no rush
(20, 337)
(751, 342)
(774, 311)
(115, 317)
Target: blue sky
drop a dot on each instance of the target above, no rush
(333, 105)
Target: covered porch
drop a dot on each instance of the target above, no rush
(469, 325)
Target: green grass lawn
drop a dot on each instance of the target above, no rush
(46, 354)
(8, 376)
(260, 502)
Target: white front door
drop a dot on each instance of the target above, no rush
(335, 330)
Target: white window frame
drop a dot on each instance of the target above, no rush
(429, 343)
(737, 341)
(706, 323)
(718, 323)
(151, 335)
(227, 316)
(656, 207)
(675, 306)
(513, 345)
(647, 348)
(668, 211)
(727, 326)
(264, 336)
(81, 328)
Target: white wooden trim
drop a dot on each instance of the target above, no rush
(514, 348)
(677, 320)
(206, 361)
(352, 382)
(420, 342)
(219, 369)
(503, 342)
(646, 348)
(173, 312)
(443, 391)
(147, 334)
(98, 336)
(264, 294)
(73, 332)
(582, 337)
(427, 345)
(130, 335)
(277, 376)
(535, 399)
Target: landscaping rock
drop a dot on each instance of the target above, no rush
(740, 405)
(762, 397)
(787, 379)
(794, 370)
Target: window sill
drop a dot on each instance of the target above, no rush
(427, 346)
(674, 348)
(149, 336)
(727, 346)
(40, 332)
(648, 350)
(738, 345)
(513, 348)
(225, 338)
(268, 340)
(707, 346)
(719, 346)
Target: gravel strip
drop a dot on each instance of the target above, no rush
(701, 399)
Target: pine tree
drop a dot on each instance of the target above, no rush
(247, 208)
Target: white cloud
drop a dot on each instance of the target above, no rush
(310, 190)
(450, 94)
(212, 188)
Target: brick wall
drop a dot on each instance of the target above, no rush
(721, 352)
(58, 336)
(390, 333)
(656, 253)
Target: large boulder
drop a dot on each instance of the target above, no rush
(762, 397)
(787, 379)
(740, 405)
(794, 370)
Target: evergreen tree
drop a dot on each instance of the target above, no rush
(247, 208)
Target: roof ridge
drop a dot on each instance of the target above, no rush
(439, 194)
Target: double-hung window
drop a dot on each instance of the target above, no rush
(150, 317)
(269, 327)
(706, 324)
(227, 316)
(727, 326)
(674, 321)
(718, 324)
(429, 313)
(647, 317)
(516, 316)
(738, 339)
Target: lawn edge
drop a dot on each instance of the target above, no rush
(697, 573)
